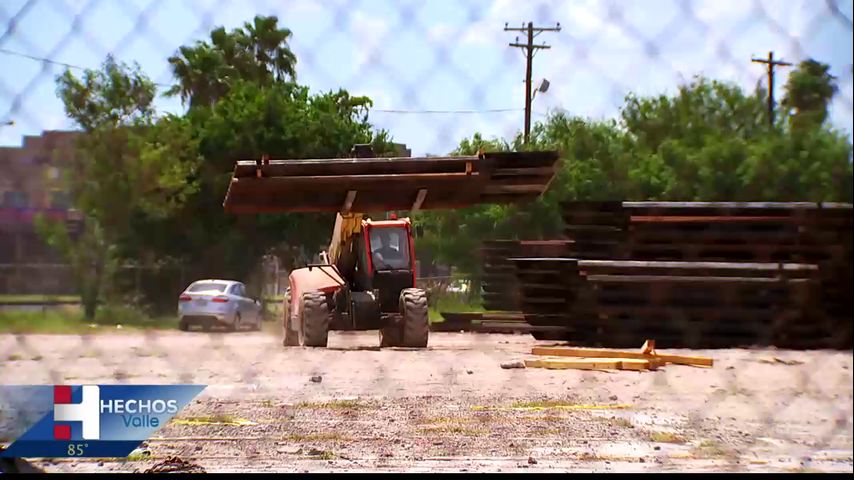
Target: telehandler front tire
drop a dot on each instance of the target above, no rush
(315, 319)
(416, 327)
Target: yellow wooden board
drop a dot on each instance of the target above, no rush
(589, 363)
(604, 353)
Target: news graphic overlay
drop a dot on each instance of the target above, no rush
(86, 420)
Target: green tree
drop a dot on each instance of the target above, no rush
(257, 52)
(707, 142)
(125, 161)
(690, 146)
(282, 120)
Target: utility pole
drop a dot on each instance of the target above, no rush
(771, 64)
(530, 48)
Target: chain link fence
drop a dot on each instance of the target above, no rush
(437, 72)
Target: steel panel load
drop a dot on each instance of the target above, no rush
(385, 184)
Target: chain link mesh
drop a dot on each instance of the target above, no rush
(449, 407)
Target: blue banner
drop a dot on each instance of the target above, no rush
(87, 420)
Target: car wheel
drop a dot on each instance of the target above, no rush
(183, 325)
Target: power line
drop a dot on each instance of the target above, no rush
(493, 110)
(381, 110)
(55, 62)
(41, 59)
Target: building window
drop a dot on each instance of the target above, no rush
(15, 199)
(59, 199)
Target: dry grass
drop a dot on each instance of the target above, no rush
(347, 404)
(325, 455)
(713, 449)
(665, 437)
(315, 437)
(214, 420)
(452, 429)
(89, 353)
(447, 420)
(622, 422)
(542, 404)
(551, 404)
(548, 418)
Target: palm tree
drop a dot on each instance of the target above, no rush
(199, 71)
(258, 52)
(268, 45)
(809, 90)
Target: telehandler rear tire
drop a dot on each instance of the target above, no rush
(290, 336)
(391, 336)
(416, 327)
(315, 319)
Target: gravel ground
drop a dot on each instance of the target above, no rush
(452, 408)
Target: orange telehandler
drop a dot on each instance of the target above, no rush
(366, 279)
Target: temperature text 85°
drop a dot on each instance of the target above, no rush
(76, 449)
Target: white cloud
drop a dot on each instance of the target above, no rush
(304, 7)
(480, 33)
(370, 32)
(441, 33)
(489, 29)
(56, 122)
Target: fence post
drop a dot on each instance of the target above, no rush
(137, 280)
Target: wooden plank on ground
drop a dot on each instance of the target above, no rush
(604, 353)
(589, 363)
(580, 364)
(639, 365)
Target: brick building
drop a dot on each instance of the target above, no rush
(32, 183)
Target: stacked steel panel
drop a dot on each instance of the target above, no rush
(499, 287)
(697, 275)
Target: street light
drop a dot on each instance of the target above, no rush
(544, 87)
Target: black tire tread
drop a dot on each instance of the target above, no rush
(315, 316)
(416, 327)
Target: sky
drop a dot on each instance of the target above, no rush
(437, 70)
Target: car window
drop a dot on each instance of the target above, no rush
(239, 290)
(207, 287)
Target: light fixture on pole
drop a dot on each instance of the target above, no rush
(544, 87)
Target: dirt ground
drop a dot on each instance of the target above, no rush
(452, 408)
